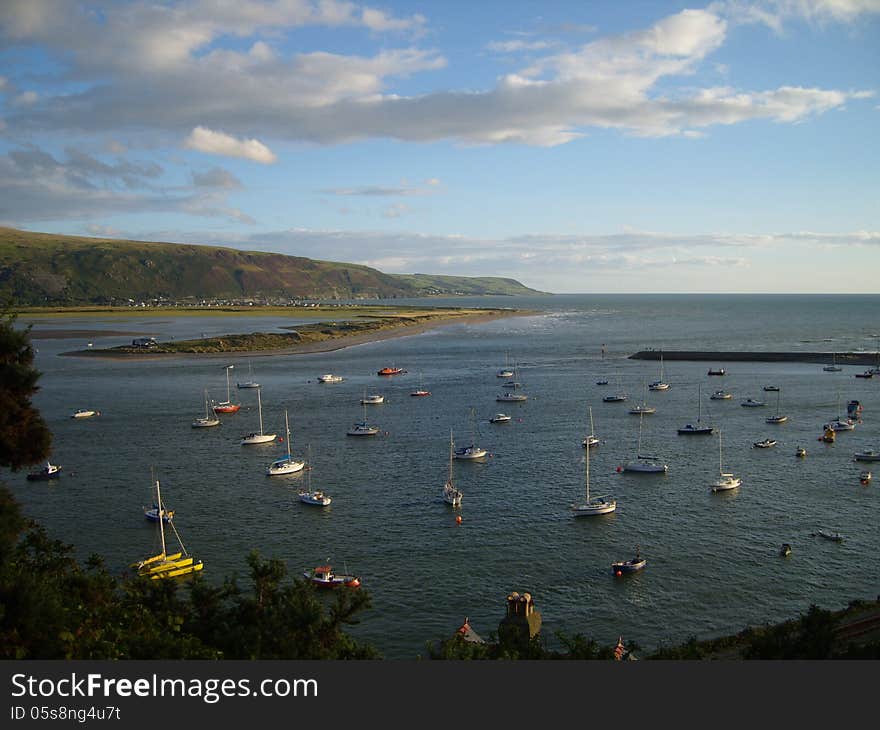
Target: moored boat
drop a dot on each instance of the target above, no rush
(867, 455)
(391, 371)
(765, 444)
(499, 418)
(718, 371)
(629, 566)
(330, 378)
(721, 395)
(84, 413)
(323, 577)
(49, 471)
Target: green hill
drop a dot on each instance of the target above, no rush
(51, 269)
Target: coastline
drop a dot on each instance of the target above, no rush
(330, 344)
(842, 358)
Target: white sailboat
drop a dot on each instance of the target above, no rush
(617, 397)
(250, 382)
(840, 423)
(643, 407)
(726, 480)
(833, 367)
(697, 428)
(505, 372)
(258, 438)
(659, 384)
(311, 496)
(210, 418)
(363, 428)
(591, 439)
(451, 494)
(471, 451)
(644, 464)
(286, 464)
(593, 506)
(778, 417)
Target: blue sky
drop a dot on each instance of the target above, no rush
(604, 146)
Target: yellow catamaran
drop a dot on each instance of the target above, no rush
(165, 565)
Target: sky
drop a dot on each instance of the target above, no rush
(601, 146)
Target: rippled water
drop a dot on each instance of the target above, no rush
(713, 563)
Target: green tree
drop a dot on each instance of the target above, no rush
(24, 437)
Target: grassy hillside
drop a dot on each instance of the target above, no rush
(466, 285)
(43, 268)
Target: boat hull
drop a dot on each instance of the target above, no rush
(258, 438)
(628, 566)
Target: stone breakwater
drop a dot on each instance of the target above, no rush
(842, 358)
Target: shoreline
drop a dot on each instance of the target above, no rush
(328, 345)
(842, 358)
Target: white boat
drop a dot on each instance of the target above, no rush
(643, 463)
(867, 455)
(254, 437)
(84, 413)
(752, 403)
(721, 395)
(286, 464)
(420, 392)
(765, 444)
(801, 452)
(659, 384)
(643, 407)
(697, 429)
(828, 535)
(833, 367)
(499, 418)
(471, 451)
(591, 438)
(778, 417)
(840, 423)
(363, 428)
(209, 419)
(374, 399)
(726, 480)
(592, 506)
(451, 494)
(49, 471)
(511, 397)
(250, 383)
(514, 383)
(330, 378)
(311, 496)
(865, 477)
(505, 372)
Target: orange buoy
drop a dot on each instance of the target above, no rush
(618, 470)
(458, 520)
(618, 573)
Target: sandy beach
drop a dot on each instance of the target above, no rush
(327, 345)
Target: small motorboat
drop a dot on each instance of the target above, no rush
(330, 378)
(865, 477)
(617, 398)
(601, 382)
(801, 452)
(771, 388)
(50, 471)
(629, 566)
(316, 497)
(785, 550)
(752, 403)
(470, 452)
(867, 455)
(642, 408)
(152, 514)
(372, 399)
(499, 418)
(828, 435)
(866, 374)
(84, 413)
(721, 395)
(719, 371)
(324, 577)
(765, 444)
(511, 397)
(833, 536)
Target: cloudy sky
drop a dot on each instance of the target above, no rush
(602, 146)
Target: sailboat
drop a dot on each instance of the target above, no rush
(778, 417)
(363, 428)
(833, 367)
(591, 439)
(595, 505)
(645, 464)
(250, 383)
(659, 384)
(643, 407)
(286, 464)
(420, 392)
(697, 428)
(313, 496)
(472, 451)
(617, 397)
(451, 494)
(514, 383)
(726, 480)
(209, 419)
(227, 406)
(841, 424)
(164, 565)
(505, 372)
(258, 438)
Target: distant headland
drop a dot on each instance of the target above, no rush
(841, 358)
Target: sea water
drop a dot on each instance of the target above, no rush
(713, 559)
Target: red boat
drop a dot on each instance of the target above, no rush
(421, 392)
(391, 371)
(324, 577)
(225, 407)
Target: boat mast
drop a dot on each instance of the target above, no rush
(287, 429)
(587, 473)
(699, 402)
(228, 395)
(591, 424)
(451, 448)
(260, 408)
(161, 521)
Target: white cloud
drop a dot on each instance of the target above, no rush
(26, 98)
(519, 45)
(220, 143)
